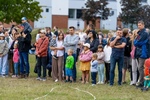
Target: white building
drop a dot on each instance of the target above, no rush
(65, 13)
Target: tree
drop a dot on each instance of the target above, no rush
(129, 12)
(14, 10)
(95, 10)
(144, 13)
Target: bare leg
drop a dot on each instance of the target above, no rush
(87, 76)
(83, 76)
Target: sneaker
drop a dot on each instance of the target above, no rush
(3, 76)
(93, 84)
(102, 83)
(44, 79)
(39, 78)
(70, 81)
(56, 80)
(13, 76)
(139, 86)
(66, 81)
(55, 57)
(124, 82)
(86, 82)
(98, 82)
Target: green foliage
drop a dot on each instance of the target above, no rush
(93, 10)
(14, 10)
(144, 13)
(129, 11)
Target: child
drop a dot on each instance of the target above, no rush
(54, 44)
(147, 75)
(107, 53)
(94, 65)
(3, 55)
(69, 66)
(85, 58)
(16, 58)
(100, 68)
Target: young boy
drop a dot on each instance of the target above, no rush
(69, 66)
(94, 65)
(147, 75)
(3, 55)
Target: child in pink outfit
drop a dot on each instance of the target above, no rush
(85, 58)
(16, 58)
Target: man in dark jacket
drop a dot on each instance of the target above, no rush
(141, 52)
(24, 44)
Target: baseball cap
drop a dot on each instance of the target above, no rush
(86, 45)
(23, 18)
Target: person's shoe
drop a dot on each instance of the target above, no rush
(3, 76)
(93, 84)
(82, 82)
(44, 79)
(139, 86)
(86, 82)
(98, 82)
(38, 78)
(102, 83)
(70, 81)
(124, 82)
(56, 80)
(66, 81)
(14, 76)
(21, 76)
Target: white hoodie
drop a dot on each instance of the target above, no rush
(107, 52)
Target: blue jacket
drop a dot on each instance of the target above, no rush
(141, 43)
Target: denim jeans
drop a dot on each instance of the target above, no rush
(41, 61)
(74, 71)
(16, 68)
(93, 76)
(113, 61)
(4, 65)
(24, 62)
(100, 69)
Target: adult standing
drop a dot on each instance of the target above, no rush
(56, 30)
(71, 42)
(93, 41)
(117, 43)
(127, 50)
(141, 52)
(57, 64)
(24, 44)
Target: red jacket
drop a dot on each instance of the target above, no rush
(42, 46)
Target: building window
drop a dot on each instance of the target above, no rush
(79, 13)
(71, 13)
(47, 10)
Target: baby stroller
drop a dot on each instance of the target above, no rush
(147, 75)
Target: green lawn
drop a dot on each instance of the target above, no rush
(31, 89)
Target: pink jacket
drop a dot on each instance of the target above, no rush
(86, 56)
(16, 56)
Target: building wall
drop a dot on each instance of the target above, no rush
(61, 21)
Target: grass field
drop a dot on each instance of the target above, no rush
(31, 89)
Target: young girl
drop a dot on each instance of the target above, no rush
(16, 58)
(107, 53)
(85, 58)
(94, 65)
(100, 68)
(3, 55)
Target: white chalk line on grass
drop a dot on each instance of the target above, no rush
(84, 92)
(70, 87)
(46, 94)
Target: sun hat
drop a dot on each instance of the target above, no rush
(86, 45)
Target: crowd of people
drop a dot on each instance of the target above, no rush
(94, 53)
